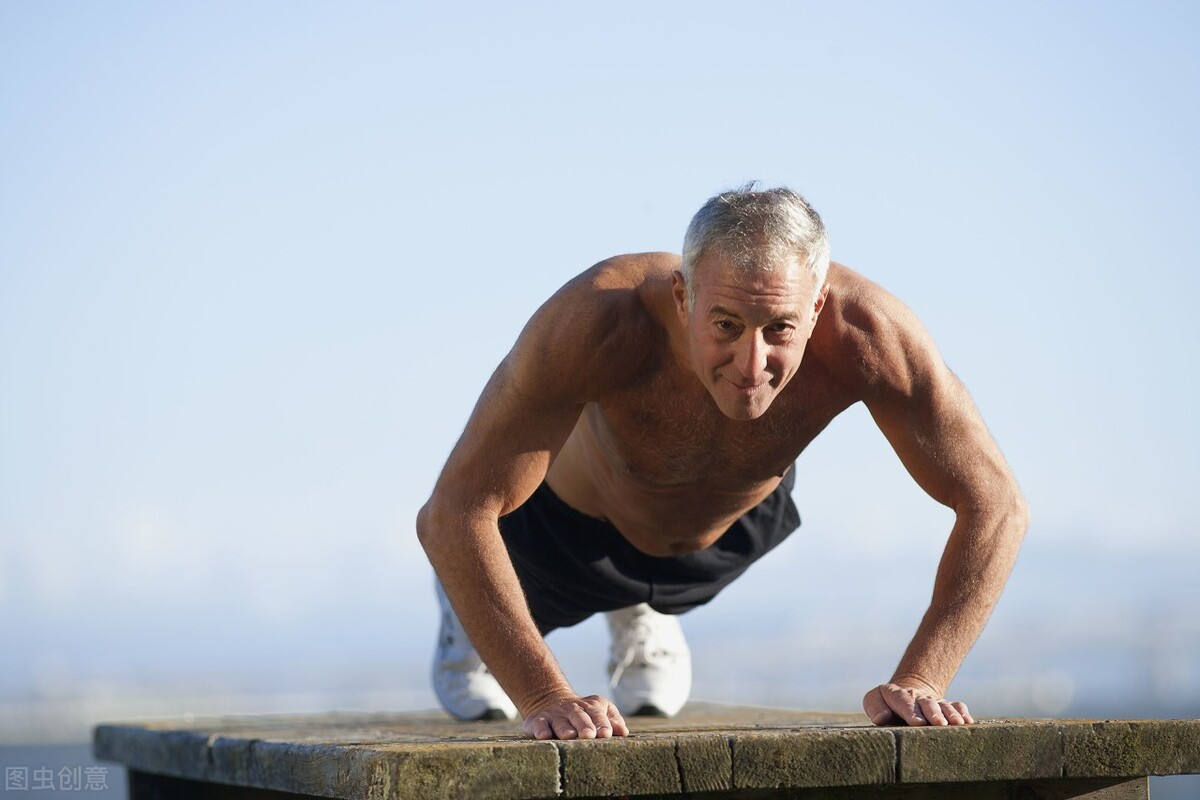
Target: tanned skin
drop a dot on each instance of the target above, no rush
(671, 419)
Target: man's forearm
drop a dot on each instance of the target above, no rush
(476, 572)
(975, 566)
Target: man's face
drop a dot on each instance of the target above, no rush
(747, 330)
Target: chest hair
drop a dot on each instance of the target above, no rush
(669, 431)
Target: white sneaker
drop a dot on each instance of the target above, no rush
(462, 682)
(650, 666)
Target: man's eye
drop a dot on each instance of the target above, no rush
(724, 325)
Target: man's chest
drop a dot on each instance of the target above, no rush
(665, 433)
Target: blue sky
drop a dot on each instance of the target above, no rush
(258, 259)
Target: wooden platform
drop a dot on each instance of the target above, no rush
(707, 751)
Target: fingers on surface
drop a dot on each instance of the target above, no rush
(931, 709)
(550, 725)
(576, 724)
(604, 716)
(891, 703)
(601, 713)
(903, 703)
(952, 714)
(585, 718)
(943, 712)
(876, 706)
(619, 728)
(538, 727)
(961, 708)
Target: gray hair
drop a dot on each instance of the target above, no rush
(756, 230)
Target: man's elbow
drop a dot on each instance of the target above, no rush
(1018, 507)
(445, 524)
(432, 526)
(1016, 512)
(423, 525)
(1002, 510)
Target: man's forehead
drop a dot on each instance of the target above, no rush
(781, 281)
(757, 311)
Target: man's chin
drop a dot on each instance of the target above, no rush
(745, 409)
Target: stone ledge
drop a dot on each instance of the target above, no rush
(708, 748)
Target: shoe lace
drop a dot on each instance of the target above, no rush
(638, 644)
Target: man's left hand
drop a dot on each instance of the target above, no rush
(894, 704)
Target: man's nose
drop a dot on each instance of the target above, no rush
(751, 357)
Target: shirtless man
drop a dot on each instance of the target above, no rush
(635, 447)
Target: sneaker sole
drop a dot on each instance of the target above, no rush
(493, 715)
(649, 710)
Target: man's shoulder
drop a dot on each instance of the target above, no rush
(866, 336)
(631, 271)
(619, 295)
(607, 325)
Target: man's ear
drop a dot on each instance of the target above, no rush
(680, 293)
(819, 303)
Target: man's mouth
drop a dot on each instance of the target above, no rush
(746, 388)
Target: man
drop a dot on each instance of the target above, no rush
(632, 454)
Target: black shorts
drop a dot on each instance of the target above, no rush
(572, 565)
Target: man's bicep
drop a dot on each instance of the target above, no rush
(566, 356)
(929, 418)
(513, 434)
(941, 439)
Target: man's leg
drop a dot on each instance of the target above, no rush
(463, 684)
(649, 668)
(650, 665)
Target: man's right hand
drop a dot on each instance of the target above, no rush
(574, 717)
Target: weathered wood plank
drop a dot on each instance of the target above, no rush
(708, 751)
